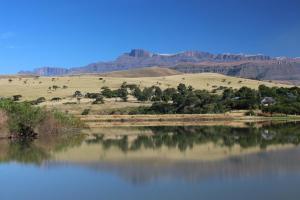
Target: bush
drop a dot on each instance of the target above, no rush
(85, 111)
(77, 94)
(250, 113)
(38, 101)
(99, 100)
(55, 87)
(23, 118)
(93, 95)
(56, 99)
(17, 97)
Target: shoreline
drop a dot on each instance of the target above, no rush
(227, 119)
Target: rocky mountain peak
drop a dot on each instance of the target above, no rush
(139, 53)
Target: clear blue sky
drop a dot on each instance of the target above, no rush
(69, 33)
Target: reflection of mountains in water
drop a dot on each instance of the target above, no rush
(142, 171)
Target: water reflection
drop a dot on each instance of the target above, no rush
(25, 151)
(185, 138)
(181, 139)
(29, 151)
(149, 162)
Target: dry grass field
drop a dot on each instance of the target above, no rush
(143, 72)
(33, 87)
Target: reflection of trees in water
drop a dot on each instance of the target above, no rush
(37, 151)
(25, 151)
(67, 141)
(185, 137)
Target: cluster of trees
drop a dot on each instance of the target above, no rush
(287, 99)
(185, 99)
(99, 99)
(153, 93)
(122, 92)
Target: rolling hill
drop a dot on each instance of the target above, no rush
(143, 72)
(33, 87)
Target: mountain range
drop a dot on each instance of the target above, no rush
(241, 65)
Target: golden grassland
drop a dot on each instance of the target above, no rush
(143, 72)
(98, 109)
(33, 87)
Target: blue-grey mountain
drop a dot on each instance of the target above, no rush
(241, 65)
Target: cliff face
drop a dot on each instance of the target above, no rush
(248, 66)
(264, 70)
(50, 71)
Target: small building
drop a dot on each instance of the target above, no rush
(268, 101)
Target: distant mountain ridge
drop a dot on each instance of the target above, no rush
(249, 66)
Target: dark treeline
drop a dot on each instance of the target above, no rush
(186, 100)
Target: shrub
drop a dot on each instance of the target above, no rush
(85, 111)
(17, 97)
(77, 94)
(99, 100)
(93, 95)
(55, 87)
(40, 100)
(56, 99)
(23, 118)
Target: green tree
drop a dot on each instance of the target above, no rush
(123, 93)
(182, 89)
(157, 96)
(168, 94)
(106, 92)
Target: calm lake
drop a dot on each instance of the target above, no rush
(254, 161)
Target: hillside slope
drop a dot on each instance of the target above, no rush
(288, 70)
(32, 88)
(143, 72)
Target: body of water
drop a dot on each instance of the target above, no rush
(209, 162)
